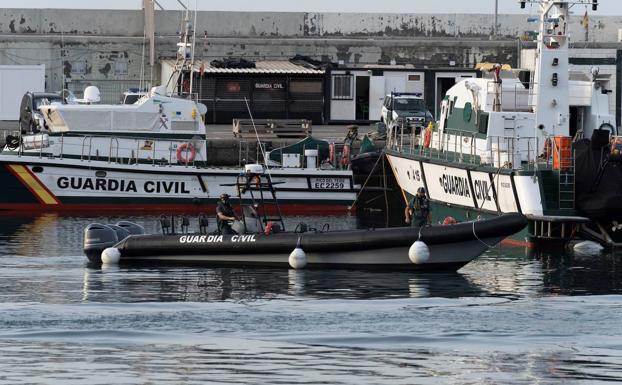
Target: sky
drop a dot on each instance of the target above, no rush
(607, 7)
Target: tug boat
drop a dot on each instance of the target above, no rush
(545, 146)
(408, 248)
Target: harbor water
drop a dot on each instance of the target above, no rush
(513, 316)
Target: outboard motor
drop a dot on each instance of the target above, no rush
(122, 233)
(98, 237)
(131, 227)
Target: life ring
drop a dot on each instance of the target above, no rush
(345, 156)
(547, 151)
(427, 138)
(331, 153)
(183, 149)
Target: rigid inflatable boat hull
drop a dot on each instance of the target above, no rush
(451, 247)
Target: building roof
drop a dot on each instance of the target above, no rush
(261, 67)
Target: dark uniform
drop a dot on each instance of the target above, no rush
(419, 205)
(224, 208)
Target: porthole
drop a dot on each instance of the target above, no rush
(37, 169)
(100, 174)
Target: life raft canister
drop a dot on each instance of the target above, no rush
(186, 149)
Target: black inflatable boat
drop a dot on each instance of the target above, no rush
(440, 248)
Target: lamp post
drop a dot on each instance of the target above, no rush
(494, 28)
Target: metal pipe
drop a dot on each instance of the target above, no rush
(494, 29)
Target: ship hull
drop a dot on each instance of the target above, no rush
(33, 184)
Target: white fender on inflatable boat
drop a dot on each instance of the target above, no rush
(111, 256)
(419, 252)
(298, 257)
(587, 248)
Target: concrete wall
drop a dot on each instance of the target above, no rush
(289, 24)
(62, 39)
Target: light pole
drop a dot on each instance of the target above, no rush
(494, 28)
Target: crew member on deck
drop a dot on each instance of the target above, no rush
(417, 212)
(224, 215)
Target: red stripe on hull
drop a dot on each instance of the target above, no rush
(286, 209)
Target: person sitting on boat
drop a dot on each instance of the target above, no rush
(417, 211)
(225, 215)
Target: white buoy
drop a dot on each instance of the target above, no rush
(419, 252)
(298, 257)
(587, 248)
(111, 256)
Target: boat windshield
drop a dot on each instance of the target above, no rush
(38, 102)
(409, 105)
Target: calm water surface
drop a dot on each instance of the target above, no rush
(510, 317)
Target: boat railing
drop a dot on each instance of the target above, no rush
(521, 93)
(90, 146)
(460, 146)
(116, 149)
(524, 95)
(116, 141)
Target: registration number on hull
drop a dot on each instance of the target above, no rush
(328, 183)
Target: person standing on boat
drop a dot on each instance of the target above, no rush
(417, 211)
(225, 215)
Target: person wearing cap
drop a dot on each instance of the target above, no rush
(417, 212)
(225, 215)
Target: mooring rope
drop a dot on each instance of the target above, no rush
(476, 237)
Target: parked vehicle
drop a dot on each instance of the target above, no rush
(407, 107)
(30, 118)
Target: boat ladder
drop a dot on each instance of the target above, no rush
(566, 188)
(260, 190)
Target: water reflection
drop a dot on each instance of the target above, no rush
(53, 245)
(129, 284)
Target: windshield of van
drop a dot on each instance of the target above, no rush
(409, 105)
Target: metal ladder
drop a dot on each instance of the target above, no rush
(566, 188)
(263, 197)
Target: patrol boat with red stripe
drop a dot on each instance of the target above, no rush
(152, 155)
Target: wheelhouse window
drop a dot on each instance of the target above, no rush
(343, 87)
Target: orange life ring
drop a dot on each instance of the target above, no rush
(345, 156)
(183, 149)
(331, 153)
(427, 138)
